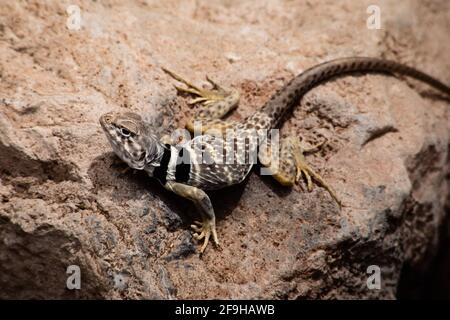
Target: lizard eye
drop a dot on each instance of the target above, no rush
(125, 132)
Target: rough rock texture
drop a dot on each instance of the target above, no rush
(64, 201)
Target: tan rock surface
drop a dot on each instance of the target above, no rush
(64, 202)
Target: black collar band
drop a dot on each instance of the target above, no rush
(160, 172)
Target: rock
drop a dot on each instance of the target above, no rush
(64, 201)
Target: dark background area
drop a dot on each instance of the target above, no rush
(434, 282)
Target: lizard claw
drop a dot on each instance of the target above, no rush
(196, 228)
(303, 169)
(203, 96)
(206, 229)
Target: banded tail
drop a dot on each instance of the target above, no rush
(290, 94)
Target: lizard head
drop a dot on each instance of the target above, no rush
(132, 139)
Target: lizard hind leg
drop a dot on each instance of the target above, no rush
(292, 165)
(214, 103)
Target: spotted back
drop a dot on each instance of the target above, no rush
(217, 162)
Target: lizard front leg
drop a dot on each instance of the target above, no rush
(207, 227)
(292, 165)
(214, 104)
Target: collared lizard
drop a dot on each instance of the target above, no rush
(197, 165)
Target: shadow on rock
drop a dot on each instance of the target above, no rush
(108, 171)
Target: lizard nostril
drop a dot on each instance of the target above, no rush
(107, 119)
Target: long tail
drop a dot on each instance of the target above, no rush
(290, 94)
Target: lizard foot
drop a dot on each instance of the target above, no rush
(204, 230)
(215, 103)
(203, 96)
(304, 170)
